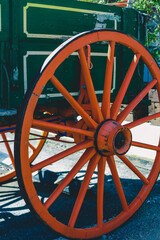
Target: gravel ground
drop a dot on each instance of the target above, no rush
(18, 223)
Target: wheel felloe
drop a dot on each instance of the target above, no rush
(98, 136)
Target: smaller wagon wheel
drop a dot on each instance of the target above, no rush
(7, 169)
(113, 185)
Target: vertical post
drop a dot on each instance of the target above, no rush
(1, 75)
(14, 37)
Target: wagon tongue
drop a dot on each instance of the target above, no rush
(112, 138)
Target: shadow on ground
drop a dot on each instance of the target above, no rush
(18, 223)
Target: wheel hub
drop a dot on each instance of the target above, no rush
(112, 138)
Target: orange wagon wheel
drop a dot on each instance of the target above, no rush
(113, 185)
(7, 170)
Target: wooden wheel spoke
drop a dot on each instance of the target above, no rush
(100, 190)
(88, 120)
(96, 111)
(135, 101)
(134, 169)
(142, 120)
(80, 198)
(108, 81)
(53, 127)
(65, 153)
(31, 146)
(82, 161)
(123, 89)
(144, 145)
(117, 182)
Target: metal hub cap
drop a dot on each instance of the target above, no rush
(112, 138)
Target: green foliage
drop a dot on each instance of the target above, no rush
(152, 8)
